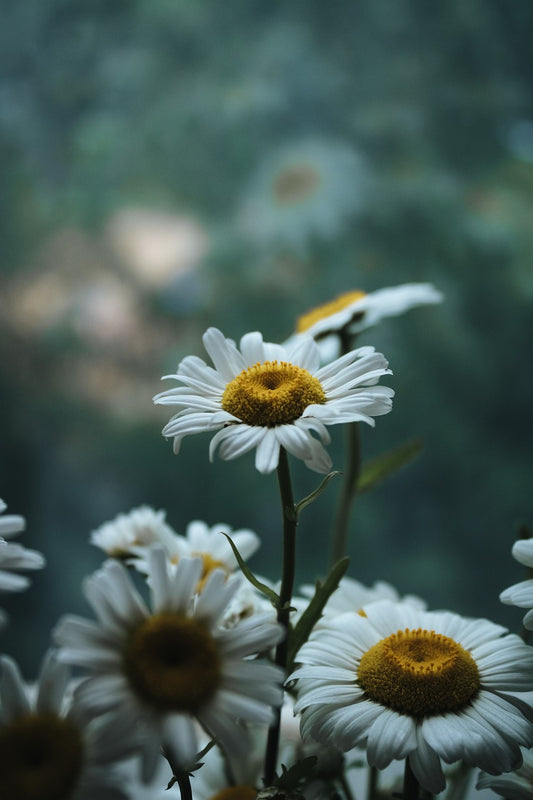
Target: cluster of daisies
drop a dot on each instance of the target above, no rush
(175, 685)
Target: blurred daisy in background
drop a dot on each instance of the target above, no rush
(265, 397)
(208, 543)
(407, 683)
(140, 527)
(521, 594)
(169, 667)
(15, 557)
(339, 320)
(352, 595)
(48, 747)
(307, 190)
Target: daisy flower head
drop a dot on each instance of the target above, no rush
(167, 666)
(15, 557)
(48, 747)
(141, 526)
(207, 543)
(265, 396)
(521, 594)
(356, 310)
(516, 785)
(309, 189)
(408, 683)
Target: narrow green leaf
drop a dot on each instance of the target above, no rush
(382, 467)
(313, 612)
(248, 574)
(318, 491)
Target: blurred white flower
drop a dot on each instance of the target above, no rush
(142, 526)
(521, 594)
(15, 557)
(307, 190)
(48, 747)
(167, 667)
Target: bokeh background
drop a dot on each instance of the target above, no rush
(168, 165)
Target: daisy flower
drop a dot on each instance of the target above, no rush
(352, 595)
(356, 310)
(173, 664)
(207, 543)
(516, 785)
(48, 748)
(306, 190)
(141, 526)
(403, 682)
(521, 594)
(264, 396)
(14, 557)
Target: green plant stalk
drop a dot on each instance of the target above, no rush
(290, 521)
(339, 537)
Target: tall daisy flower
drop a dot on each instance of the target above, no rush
(521, 594)
(48, 747)
(264, 396)
(15, 557)
(407, 683)
(168, 666)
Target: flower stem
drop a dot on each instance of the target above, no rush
(184, 782)
(339, 539)
(411, 786)
(290, 521)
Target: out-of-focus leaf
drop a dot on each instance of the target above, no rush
(382, 467)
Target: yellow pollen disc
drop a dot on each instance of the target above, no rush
(419, 672)
(172, 662)
(295, 184)
(272, 393)
(41, 757)
(208, 565)
(317, 314)
(241, 792)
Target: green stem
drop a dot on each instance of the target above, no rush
(184, 782)
(411, 787)
(339, 539)
(290, 521)
(372, 791)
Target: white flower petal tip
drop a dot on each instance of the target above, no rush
(264, 396)
(15, 557)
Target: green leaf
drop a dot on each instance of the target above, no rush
(382, 467)
(318, 491)
(248, 574)
(313, 612)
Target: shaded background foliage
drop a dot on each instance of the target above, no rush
(141, 149)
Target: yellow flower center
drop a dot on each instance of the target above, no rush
(272, 393)
(317, 314)
(41, 757)
(208, 565)
(295, 184)
(172, 662)
(241, 792)
(419, 672)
